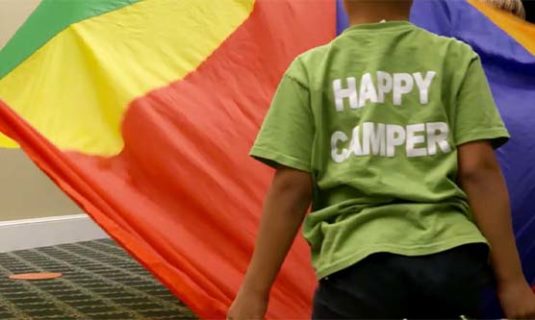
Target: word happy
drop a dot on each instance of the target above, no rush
(382, 139)
(399, 84)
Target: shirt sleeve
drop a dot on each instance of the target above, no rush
(286, 135)
(477, 116)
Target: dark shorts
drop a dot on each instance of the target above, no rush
(445, 285)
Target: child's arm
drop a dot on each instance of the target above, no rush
(284, 210)
(481, 178)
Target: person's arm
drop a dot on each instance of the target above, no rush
(284, 210)
(481, 178)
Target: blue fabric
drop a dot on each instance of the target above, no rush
(342, 20)
(510, 69)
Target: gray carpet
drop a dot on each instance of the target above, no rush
(101, 281)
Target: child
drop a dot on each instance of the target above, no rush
(513, 6)
(389, 131)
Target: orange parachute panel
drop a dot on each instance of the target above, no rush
(182, 195)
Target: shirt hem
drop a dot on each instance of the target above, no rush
(407, 251)
(271, 157)
(499, 136)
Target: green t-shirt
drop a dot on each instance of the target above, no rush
(376, 117)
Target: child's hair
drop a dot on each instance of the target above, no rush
(513, 6)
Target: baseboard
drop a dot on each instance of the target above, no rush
(49, 231)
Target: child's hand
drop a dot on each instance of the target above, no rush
(517, 300)
(248, 306)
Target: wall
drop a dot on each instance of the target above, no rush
(25, 192)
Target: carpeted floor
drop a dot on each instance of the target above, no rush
(100, 282)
